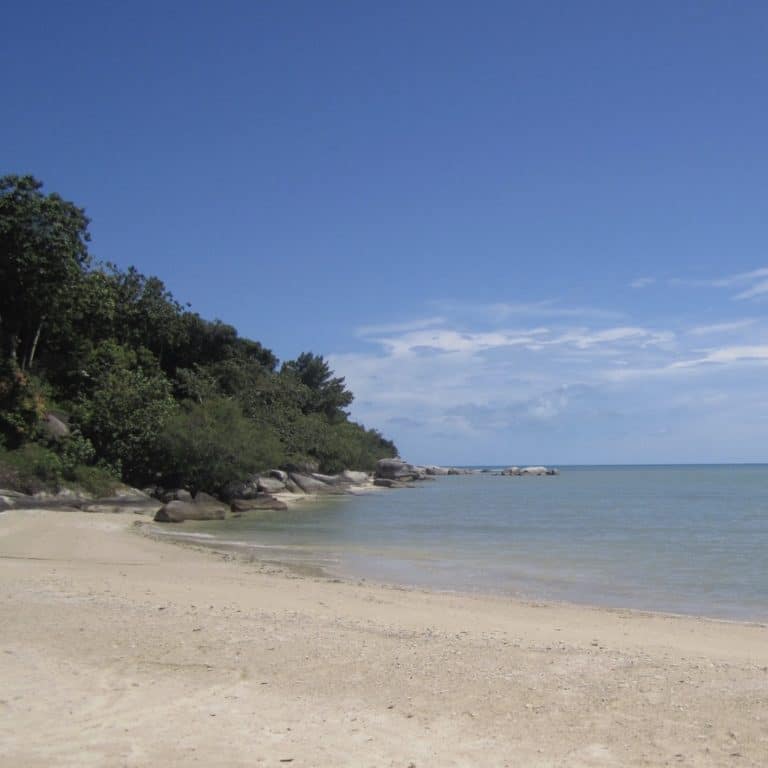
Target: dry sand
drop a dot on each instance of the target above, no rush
(119, 650)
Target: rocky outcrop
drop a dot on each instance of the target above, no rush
(177, 494)
(242, 506)
(270, 484)
(124, 500)
(355, 478)
(203, 507)
(308, 484)
(385, 482)
(397, 469)
(529, 471)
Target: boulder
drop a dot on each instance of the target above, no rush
(177, 494)
(291, 487)
(240, 506)
(437, 471)
(55, 427)
(270, 485)
(355, 478)
(126, 492)
(328, 479)
(534, 471)
(278, 474)
(384, 482)
(241, 489)
(511, 471)
(309, 484)
(179, 511)
(122, 505)
(396, 469)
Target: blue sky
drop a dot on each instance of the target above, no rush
(524, 232)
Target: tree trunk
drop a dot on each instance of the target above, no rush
(13, 345)
(34, 345)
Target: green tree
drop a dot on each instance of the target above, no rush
(124, 409)
(328, 393)
(43, 254)
(208, 444)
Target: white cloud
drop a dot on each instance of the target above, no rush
(408, 325)
(714, 328)
(458, 379)
(642, 282)
(740, 278)
(500, 311)
(756, 290)
(727, 356)
(758, 278)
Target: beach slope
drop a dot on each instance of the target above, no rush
(120, 650)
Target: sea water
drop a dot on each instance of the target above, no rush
(684, 539)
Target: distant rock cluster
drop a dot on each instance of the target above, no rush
(529, 471)
(254, 494)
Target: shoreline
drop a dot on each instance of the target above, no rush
(120, 649)
(239, 550)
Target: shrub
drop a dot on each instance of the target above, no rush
(31, 468)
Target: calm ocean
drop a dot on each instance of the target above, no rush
(686, 539)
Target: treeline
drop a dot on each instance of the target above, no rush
(151, 392)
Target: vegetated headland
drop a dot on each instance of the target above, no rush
(105, 378)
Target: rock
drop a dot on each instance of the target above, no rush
(385, 482)
(55, 427)
(120, 505)
(278, 474)
(179, 511)
(396, 469)
(437, 471)
(126, 492)
(328, 479)
(13, 499)
(270, 485)
(178, 494)
(529, 471)
(309, 484)
(292, 487)
(67, 495)
(241, 489)
(239, 506)
(355, 478)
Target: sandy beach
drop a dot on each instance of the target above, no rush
(120, 650)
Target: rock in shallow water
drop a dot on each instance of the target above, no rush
(179, 511)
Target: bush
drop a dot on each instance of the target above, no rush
(95, 480)
(208, 445)
(31, 469)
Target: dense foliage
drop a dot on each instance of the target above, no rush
(151, 392)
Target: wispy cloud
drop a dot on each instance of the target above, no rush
(502, 310)
(479, 375)
(642, 282)
(727, 356)
(754, 283)
(400, 327)
(715, 328)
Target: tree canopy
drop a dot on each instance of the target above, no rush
(152, 391)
